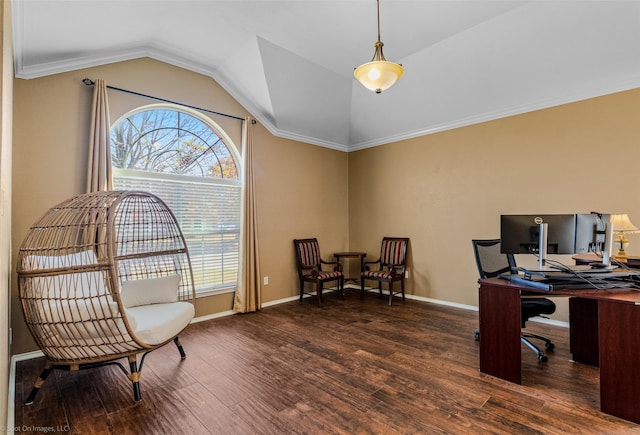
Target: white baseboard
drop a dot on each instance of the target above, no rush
(11, 394)
(213, 316)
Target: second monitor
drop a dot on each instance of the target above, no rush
(591, 233)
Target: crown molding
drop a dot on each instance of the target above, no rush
(268, 123)
(621, 86)
(154, 51)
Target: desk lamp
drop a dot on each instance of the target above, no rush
(621, 225)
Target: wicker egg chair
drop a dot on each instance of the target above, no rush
(105, 276)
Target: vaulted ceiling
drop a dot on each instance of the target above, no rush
(290, 62)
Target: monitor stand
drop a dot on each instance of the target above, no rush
(542, 246)
(542, 255)
(608, 245)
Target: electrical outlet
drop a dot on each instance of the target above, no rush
(265, 280)
(406, 274)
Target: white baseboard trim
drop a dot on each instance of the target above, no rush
(27, 355)
(213, 316)
(474, 308)
(11, 394)
(283, 301)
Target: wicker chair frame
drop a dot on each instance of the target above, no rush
(71, 267)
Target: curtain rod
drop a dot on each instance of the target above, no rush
(90, 82)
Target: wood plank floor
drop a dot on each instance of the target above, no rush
(350, 367)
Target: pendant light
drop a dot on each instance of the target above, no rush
(379, 74)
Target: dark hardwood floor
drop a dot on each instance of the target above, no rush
(350, 367)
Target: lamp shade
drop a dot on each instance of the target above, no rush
(622, 224)
(378, 75)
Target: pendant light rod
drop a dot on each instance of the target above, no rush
(378, 9)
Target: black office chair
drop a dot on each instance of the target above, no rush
(491, 263)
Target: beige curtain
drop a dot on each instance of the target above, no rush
(99, 168)
(248, 297)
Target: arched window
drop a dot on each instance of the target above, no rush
(190, 163)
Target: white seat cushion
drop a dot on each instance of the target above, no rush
(150, 291)
(157, 323)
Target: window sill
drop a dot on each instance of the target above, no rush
(218, 291)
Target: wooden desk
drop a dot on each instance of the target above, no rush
(632, 262)
(604, 329)
(361, 255)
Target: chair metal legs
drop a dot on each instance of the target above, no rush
(524, 339)
(540, 354)
(180, 349)
(134, 377)
(547, 344)
(38, 383)
(133, 374)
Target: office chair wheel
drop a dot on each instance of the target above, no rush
(542, 357)
(550, 346)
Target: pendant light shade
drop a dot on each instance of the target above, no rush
(379, 74)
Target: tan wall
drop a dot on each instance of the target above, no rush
(6, 101)
(442, 190)
(302, 189)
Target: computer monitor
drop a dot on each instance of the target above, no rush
(591, 233)
(594, 233)
(520, 233)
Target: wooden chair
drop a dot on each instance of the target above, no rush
(310, 268)
(105, 276)
(392, 267)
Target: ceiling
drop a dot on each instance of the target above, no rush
(290, 62)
